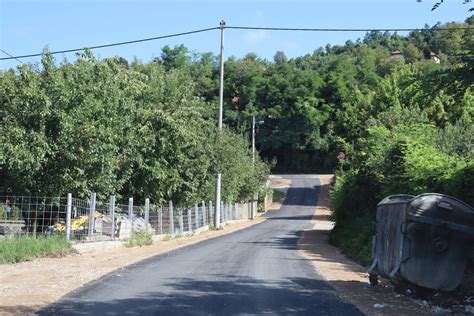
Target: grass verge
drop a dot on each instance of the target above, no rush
(142, 238)
(25, 247)
(277, 196)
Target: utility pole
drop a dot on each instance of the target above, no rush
(219, 127)
(253, 140)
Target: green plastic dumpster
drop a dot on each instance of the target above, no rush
(387, 244)
(424, 241)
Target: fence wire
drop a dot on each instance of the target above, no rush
(93, 220)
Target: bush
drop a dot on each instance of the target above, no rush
(410, 159)
(3, 212)
(143, 238)
(353, 203)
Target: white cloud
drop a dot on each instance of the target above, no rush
(257, 36)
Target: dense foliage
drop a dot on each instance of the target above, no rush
(105, 127)
(400, 108)
(311, 103)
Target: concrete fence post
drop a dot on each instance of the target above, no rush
(112, 214)
(171, 216)
(68, 215)
(236, 211)
(254, 207)
(92, 214)
(130, 215)
(147, 213)
(160, 219)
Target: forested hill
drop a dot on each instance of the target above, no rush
(316, 105)
(400, 108)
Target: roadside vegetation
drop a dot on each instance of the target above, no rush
(25, 248)
(400, 108)
(277, 196)
(143, 238)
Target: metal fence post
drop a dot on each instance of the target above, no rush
(112, 214)
(130, 215)
(147, 213)
(68, 215)
(196, 215)
(181, 223)
(190, 224)
(211, 213)
(92, 214)
(204, 214)
(171, 216)
(223, 213)
(160, 220)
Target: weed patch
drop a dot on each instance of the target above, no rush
(142, 238)
(277, 196)
(24, 248)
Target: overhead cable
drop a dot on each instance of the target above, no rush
(243, 28)
(114, 44)
(345, 29)
(11, 56)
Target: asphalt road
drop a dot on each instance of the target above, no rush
(253, 271)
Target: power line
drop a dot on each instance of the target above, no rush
(344, 29)
(240, 28)
(11, 56)
(114, 44)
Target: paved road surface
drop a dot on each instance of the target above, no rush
(253, 271)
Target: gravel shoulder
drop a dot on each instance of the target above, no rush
(348, 278)
(28, 286)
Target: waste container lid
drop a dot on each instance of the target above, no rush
(440, 209)
(397, 198)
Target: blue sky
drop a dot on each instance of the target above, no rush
(28, 26)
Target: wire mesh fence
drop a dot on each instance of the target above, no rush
(92, 220)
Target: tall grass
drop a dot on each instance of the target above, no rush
(24, 248)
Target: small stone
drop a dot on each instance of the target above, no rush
(380, 305)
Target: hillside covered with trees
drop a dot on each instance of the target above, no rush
(400, 108)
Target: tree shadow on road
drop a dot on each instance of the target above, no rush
(301, 196)
(228, 295)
